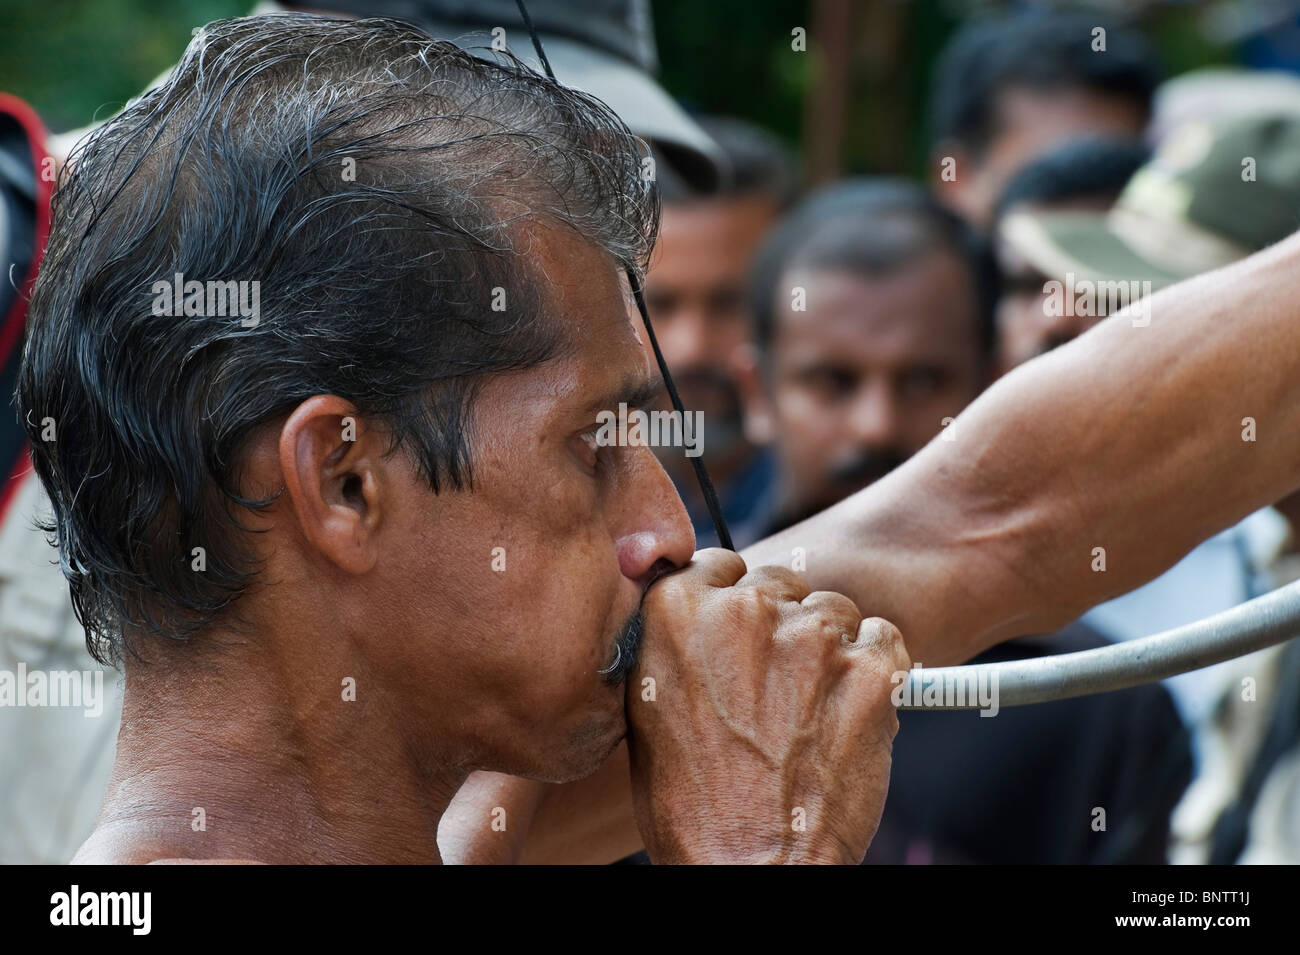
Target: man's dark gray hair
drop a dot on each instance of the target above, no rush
(872, 227)
(377, 185)
(1034, 49)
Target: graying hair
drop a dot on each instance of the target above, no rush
(376, 288)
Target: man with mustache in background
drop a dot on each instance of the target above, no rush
(873, 311)
(870, 320)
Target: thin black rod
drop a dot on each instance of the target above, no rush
(697, 462)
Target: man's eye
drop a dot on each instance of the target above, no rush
(832, 383)
(591, 447)
(727, 304)
(661, 306)
(923, 382)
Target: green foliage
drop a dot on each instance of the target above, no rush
(75, 60)
(733, 57)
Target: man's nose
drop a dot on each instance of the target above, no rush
(658, 533)
(874, 414)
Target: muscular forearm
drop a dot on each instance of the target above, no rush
(1128, 439)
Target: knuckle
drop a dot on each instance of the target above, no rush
(775, 574)
(902, 659)
(883, 636)
(723, 559)
(829, 601)
(832, 629)
(753, 608)
(795, 578)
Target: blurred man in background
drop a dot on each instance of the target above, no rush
(874, 321)
(696, 296)
(1083, 175)
(1214, 192)
(1009, 89)
(871, 313)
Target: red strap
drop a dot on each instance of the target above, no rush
(9, 490)
(11, 326)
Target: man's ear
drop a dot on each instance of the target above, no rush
(334, 474)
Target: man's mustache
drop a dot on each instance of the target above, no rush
(869, 466)
(627, 644)
(627, 648)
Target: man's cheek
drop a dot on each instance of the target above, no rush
(925, 419)
(558, 670)
(810, 439)
(583, 619)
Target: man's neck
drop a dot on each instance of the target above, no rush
(235, 757)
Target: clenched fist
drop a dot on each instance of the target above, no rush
(767, 732)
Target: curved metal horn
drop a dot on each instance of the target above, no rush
(1263, 622)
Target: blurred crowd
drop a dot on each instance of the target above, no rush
(829, 333)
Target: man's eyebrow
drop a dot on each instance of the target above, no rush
(637, 393)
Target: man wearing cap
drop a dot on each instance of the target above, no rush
(1085, 174)
(1215, 192)
(1212, 194)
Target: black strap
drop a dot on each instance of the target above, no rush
(701, 475)
(537, 41)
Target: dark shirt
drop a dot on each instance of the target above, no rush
(1022, 786)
